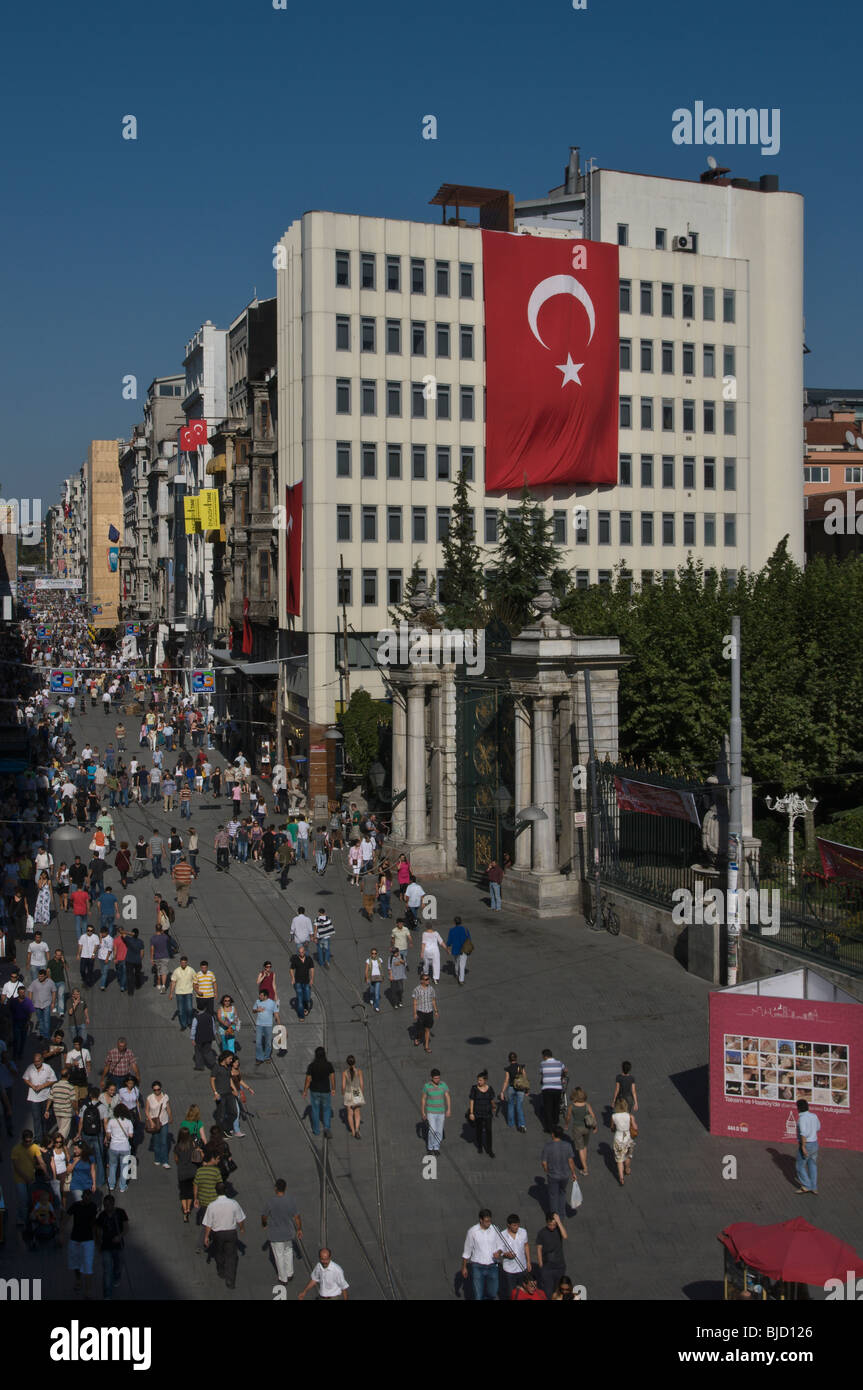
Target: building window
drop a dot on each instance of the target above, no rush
(624, 296)
(145, 591)
(688, 300)
(603, 528)
(625, 524)
(582, 526)
(710, 474)
(343, 268)
(558, 521)
(418, 462)
(668, 528)
(667, 471)
(709, 417)
(370, 587)
(442, 340)
(442, 515)
(647, 528)
(647, 470)
(854, 475)
(668, 301)
(370, 523)
(242, 510)
(343, 396)
(689, 473)
(467, 456)
(688, 528)
(729, 418)
(394, 460)
(394, 335)
(418, 525)
(466, 343)
(264, 573)
(466, 403)
(646, 355)
(369, 398)
(344, 586)
(730, 475)
(582, 579)
(343, 459)
(418, 276)
(709, 359)
(343, 524)
(441, 277)
(394, 273)
(708, 304)
(490, 526)
(709, 528)
(603, 578)
(728, 306)
(443, 465)
(418, 401)
(626, 412)
(418, 339)
(688, 359)
(659, 238)
(668, 359)
(624, 468)
(443, 403)
(343, 333)
(263, 490)
(647, 412)
(623, 234)
(465, 280)
(647, 296)
(367, 335)
(369, 460)
(730, 528)
(394, 398)
(688, 417)
(625, 355)
(367, 271)
(729, 357)
(668, 414)
(394, 586)
(394, 523)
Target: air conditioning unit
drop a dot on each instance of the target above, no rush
(683, 243)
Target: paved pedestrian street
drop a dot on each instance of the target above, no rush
(394, 1218)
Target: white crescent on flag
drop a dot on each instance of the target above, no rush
(547, 289)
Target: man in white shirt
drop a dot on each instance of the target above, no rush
(39, 1078)
(301, 928)
(37, 955)
(808, 1126)
(88, 945)
(328, 1277)
(482, 1249)
(302, 838)
(44, 861)
(414, 895)
(224, 1221)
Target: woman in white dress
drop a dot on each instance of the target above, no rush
(621, 1124)
(42, 910)
(430, 951)
(352, 1091)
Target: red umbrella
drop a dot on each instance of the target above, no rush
(792, 1250)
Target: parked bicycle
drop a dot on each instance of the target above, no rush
(606, 919)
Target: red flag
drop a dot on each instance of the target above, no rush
(193, 435)
(294, 546)
(247, 630)
(840, 861)
(551, 329)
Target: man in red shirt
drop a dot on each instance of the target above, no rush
(528, 1290)
(81, 909)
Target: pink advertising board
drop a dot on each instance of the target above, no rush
(767, 1052)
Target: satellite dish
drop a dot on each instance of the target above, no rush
(849, 438)
(711, 161)
(859, 442)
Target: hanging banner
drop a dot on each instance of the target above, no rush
(191, 515)
(133, 629)
(841, 861)
(113, 558)
(208, 508)
(193, 435)
(62, 682)
(203, 682)
(551, 331)
(293, 547)
(655, 801)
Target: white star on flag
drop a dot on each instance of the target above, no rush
(570, 371)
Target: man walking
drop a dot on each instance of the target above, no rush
(266, 1011)
(203, 1033)
(457, 938)
(558, 1164)
(302, 978)
(808, 1126)
(302, 930)
(480, 1256)
(43, 995)
(204, 985)
(157, 849)
(183, 989)
(120, 1063)
(224, 1223)
(133, 960)
(222, 845)
(39, 1078)
(553, 1076)
(369, 889)
(494, 874)
(160, 956)
(425, 1011)
(328, 1278)
(282, 1221)
(183, 875)
(110, 1224)
(324, 931)
(436, 1109)
(414, 894)
(320, 1089)
(88, 945)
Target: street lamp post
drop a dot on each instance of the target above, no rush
(792, 806)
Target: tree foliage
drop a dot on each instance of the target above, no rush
(525, 553)
(461, 584)
(361, 724)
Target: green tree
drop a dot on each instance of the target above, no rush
(461, 582)
(361, 724)
(402, 612)
(526, 553)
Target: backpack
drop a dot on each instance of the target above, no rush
(91, 1121)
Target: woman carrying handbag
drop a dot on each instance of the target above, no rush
(581, 1122)
(157, 1118)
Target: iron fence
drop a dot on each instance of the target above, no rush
(648, 856)
(820, 919)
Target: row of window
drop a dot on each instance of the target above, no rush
(444, 279)
(664, 417)
(660, 237)
(668, 472)
(444, 461)
(420, 338)
(421, 392)
(667, 529)
(688, 295)
(666, 358)
(853, 474)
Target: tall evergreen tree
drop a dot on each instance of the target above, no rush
(402, 612)
(526, 553)
(461, 582)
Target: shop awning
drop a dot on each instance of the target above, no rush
(218, 464)
(260, 668)
(792, 1250)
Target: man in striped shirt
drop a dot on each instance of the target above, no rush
(204, 985)
(182, 874)
(553, 1075)
(324, 930)
(425, 1011)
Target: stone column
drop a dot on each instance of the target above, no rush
(416, 750)
(565, 795)
(522, 780)
(544, 850)
(399, 774)
(436, 768)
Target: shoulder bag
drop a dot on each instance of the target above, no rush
(467, 948)
(633, 1127)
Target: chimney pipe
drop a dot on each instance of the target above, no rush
(571, 174)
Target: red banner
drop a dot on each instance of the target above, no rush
(655, 801)
(841, 861)
(293, 547)
(248, 640)
(193, 435)
(551, 330)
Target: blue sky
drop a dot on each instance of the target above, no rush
(115, 251)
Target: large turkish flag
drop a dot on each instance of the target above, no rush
(294, 547)
(551, 346)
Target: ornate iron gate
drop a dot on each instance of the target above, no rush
(485, 738)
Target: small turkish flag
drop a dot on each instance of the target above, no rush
(551, 327)
(193, 435)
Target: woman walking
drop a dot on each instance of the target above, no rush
(157, 1118)
(621, 1124)
(123, 862)
(481, 1109)
(62, 885)
(266, 980)
(44, 901)
(385, 888)
(59, 1162)
(355, 859)
(194, 1125)
(430, 949)
(624, 1085)
(403, 875)
(580, 1115)
(515, 1091)
(186, 1170)
(228, 1023)
(81, 1176)
(241, 1089)
(118, 1131)
(352, 1091)
(374, 978)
